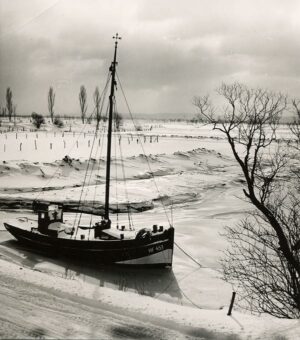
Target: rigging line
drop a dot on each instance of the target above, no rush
(130, 220)
(191, 301)
(80, 198)
(140, 141)
(90, 177)
(68, 152)
(98, 157)
(103, 94)
(76, 215)
(89, 182)
(84, 181)
(101, 139)
(116, 177)
(102, 100)
(99, 168)
(180, 289)
(188, 255)
(177, 281)
(93, 163)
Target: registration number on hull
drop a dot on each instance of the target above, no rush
(155, 249)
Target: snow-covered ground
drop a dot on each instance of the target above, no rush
(200, 186)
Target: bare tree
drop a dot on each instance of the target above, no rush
(3, 111)
(97, 100)
(51, 101)
(205, 107)
(264, 258)
(295, 126)
(294, 142)
(9, 103)
(82, 102)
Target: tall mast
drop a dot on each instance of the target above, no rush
(109, 132)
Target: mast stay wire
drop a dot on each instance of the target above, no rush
(97, 175)
(84, 182)
(87, 168)
(140, 142)
(101, 139)
(82, 187)
(151, 172)
(103, 96)
(86, 186)
(116, 172)
(57, 167)
(130, 220)
(76, 140)
(99, 168)
(89, 181)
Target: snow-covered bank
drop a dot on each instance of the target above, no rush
(181, 177)
(185, 321)
(201, 188)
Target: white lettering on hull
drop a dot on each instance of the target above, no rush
(163, 257)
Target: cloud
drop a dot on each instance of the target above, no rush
(170, 51)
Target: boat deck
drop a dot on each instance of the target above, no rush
(81, 232)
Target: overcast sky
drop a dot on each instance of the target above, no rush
(170, 50)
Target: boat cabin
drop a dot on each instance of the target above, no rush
(48, 213)
(100, 226)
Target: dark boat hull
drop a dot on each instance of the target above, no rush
(157, 251)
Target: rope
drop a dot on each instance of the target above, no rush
(188, 255)
(82, 188)
(140, 142)
(76, 140)
(98, 173)
(57, 167)
(89, 181)
(130, 221)
(116, 177)
(88, 165)
(182, 292)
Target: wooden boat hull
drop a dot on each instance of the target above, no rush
(158, 251)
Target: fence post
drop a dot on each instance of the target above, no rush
(231, 303)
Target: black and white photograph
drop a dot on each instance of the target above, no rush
(150, 169)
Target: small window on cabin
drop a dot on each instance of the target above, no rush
(42, 215)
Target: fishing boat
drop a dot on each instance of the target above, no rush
(100, 242)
